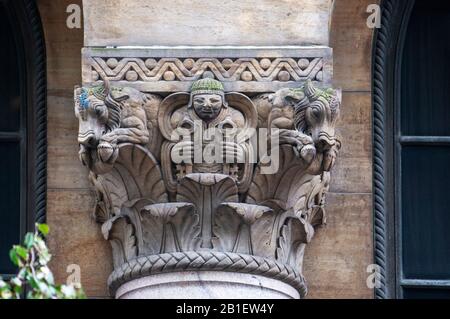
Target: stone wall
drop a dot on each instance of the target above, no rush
(336, 260)
(196, 22)
(75, 238)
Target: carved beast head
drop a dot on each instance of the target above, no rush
(318, 115)
(97, 112)
(313, 112)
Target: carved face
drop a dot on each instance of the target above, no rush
(320, 118)
(207, 106)
(286, 98)
(92, 115)
(316, 112)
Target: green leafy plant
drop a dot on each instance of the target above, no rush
(34, 279)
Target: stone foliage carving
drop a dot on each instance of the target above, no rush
(166, 206)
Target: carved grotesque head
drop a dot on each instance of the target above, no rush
(319, 118)
(207, 98)
(98, 112)
(92, 113)
(311, 111)
(314, 112)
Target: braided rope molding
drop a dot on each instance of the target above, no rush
(202, 261)
(40, 111)
(387, 42)
(379, 68)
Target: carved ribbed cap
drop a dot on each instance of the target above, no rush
(207, 86)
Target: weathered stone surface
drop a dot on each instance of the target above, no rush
(76, 240)
(336, 261)
(240, 69)
(356, 126)
(178, 22)
(63, 174)
(352, 175)
(63, 45)
(351, 39)
(206, 285)
(64, 170)
(353, 171)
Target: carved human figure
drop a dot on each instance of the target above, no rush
(210, 129)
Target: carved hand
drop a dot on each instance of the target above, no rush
(302, 144)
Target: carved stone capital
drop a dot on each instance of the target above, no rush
(192, 176)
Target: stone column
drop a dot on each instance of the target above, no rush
(176, 140)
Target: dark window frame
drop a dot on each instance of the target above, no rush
(388, 47)
(29, 39)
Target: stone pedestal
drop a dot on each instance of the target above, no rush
(206, 285)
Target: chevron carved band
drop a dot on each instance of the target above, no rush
(239, 69)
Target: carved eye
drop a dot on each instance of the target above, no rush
(292, 100)
(99, 111)
(316, 113)
(186, 125)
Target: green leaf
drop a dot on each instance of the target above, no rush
(6, 294)
(44, 258)
(4, 285)
(16, 282)
(43, 228)
(22, 273)
(21, 251)
(68, 291)
(37, 277)
(17, 290)
(33, 283)
(13, 256)
(29, 240)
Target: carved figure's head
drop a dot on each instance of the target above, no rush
(311, 111)
(319, 116)
(207, 98)
(92, 113)
(315, 112)
(98, 112)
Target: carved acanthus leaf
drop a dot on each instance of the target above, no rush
(233, 223)
(169, 233)
(121, 234)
